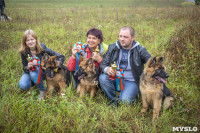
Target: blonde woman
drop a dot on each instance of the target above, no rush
(31, 48)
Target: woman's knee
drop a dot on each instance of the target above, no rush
(24, 86)
(24, 82)
(33, 75)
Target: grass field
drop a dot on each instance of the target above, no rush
(59, 24)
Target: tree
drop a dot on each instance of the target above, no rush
(197, 2)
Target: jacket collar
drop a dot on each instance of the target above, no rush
(100, 48)
(135, 44)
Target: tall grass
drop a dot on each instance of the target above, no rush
(59, 25)
(184, 48)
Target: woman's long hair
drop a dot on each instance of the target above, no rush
(24, 47)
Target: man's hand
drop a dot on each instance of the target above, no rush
(110, 71)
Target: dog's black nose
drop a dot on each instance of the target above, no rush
(167, 75)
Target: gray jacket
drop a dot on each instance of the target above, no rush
(138, 57)
(50, 52)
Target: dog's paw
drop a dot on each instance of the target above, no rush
(143, 111)
(62, 94)
(142, 114)
(154, 120)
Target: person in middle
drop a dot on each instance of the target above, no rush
(94, 39)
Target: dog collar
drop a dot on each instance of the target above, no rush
(56, 70)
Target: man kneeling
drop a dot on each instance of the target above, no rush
(130, 58)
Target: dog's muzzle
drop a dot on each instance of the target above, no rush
(80, 73)
(50, 72)
(161, 75)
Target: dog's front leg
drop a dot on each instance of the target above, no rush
(82, 90)
(145, 104)
(93, 91)
(62, 86)
(78, 88)
(156, 108)
(50, 89)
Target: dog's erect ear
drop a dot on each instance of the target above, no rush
(153, 62)
(160, 59)
(81, 58)
(45, 57)
(56, 58)
(89, 61)
(43, 62)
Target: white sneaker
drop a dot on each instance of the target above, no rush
(41, 95)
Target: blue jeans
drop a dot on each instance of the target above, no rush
(129, 94)
(2, 8)
(27, 78)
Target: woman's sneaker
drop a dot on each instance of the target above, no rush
(41, 95)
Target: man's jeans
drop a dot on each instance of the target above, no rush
(25, 81)
(2, 8)
(129, 94)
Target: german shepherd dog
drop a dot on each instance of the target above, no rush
(88, 76)
(57, 78)
(152, 85)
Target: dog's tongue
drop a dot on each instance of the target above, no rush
(161, 79)
(80, 77)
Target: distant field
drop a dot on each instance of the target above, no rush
(159, 25)
(91, 3)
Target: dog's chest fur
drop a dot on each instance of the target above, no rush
(58, 77)
(151, 90)
(88, 81)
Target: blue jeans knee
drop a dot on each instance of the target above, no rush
(25, 81)
(130, 92)
(27, 78)
(128, 95)
(108, 86)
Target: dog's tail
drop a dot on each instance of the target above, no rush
(168, 102)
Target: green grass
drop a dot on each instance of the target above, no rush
(59, 25)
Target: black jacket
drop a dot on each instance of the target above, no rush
(138, 57)
(50, 52)
(2, 3)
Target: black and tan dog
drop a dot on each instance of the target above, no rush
(57, 77)
(88, 76)
(152, 86)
